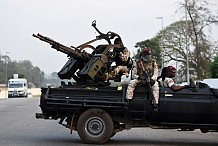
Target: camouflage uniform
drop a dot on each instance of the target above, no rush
(122, 61)
(168, 82)
(138, 69)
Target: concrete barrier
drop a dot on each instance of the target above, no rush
(3, 92)
(34, 92)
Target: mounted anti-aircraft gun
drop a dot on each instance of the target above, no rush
(83, 66)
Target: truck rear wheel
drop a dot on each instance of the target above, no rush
(95, 126)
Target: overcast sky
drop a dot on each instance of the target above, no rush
(69, 22)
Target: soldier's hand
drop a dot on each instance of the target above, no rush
(187, 86)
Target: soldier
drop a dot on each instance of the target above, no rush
(166, 78)
(144, 71)
(122, 60)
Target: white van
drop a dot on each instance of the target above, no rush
(17, 87)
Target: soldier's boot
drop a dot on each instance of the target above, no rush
(112, 74)
(155, 106)
(106, 77)
(63, 85)
(128, 101)
(70, 84)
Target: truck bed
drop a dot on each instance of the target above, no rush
(73, 98)
(63, 101)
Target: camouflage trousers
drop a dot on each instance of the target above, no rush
(119, 69)
(134, 83)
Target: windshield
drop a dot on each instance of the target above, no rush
(16, 85)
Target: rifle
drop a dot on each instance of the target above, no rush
(147, 81)
(149, 85)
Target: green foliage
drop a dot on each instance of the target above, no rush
(23, 68)
(214, 68)
(187, 37)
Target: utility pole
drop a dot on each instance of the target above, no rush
(6, 73)
(6, 68)
(186, 39)
(162, 46)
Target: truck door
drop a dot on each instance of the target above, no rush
(185, 106)
(138, 108)
(214, 98)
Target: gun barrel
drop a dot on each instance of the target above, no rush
(62, 48)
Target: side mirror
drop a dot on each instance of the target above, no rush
(193, 85)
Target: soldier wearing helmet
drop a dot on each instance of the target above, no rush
(144, 72)
(166, 78)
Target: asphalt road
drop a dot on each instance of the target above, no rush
(19, 127)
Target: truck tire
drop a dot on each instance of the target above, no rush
(95, 126)
(42, 102)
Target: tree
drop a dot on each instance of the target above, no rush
(201, 48)
(200, 17)
(23, 68)
(214, 68)
(33, 74)
(174, 40)
(37, 76)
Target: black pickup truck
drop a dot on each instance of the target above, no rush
(98, 112)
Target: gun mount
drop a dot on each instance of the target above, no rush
(83, 66)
